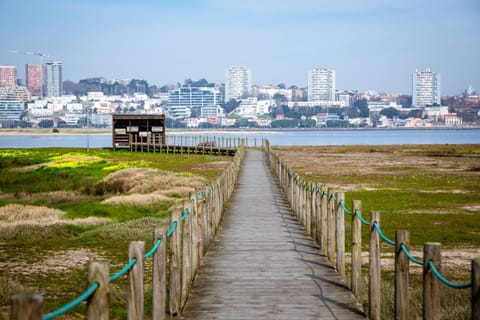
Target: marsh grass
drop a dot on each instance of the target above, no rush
(431, 190)
(64, 205)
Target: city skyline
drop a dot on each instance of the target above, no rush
(372, 45)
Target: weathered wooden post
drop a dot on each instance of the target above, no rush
(401, 275)
(476, 289)
(313, 213)
(26, 306)
(318, 214)
(308, 209)
(175, 285)
(340, 235)
(135, 286)
(195, 234)
(374, 279)
(331, 245)
(431, 285)
(356, 249)
(98, 304)
(159, 275)
(185, 255)
(323, 221)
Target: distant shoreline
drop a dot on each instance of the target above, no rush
(74, 131)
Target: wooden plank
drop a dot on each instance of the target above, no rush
(135, 286)
(159, 290)
(26, 306)
(431, 285)
(374, 279)
(401, 275)
(263, 265)
(97, 306)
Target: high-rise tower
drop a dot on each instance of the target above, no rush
(53, 79)
(238, 81)
(8, 76)
(426, 88)
(33, 76)
(321, 84)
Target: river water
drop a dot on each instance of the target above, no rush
(280, 138)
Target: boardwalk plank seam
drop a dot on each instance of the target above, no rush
(262, 263)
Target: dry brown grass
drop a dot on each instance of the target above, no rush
(147, 186)
(53, 262)
(145, 180)
(52, 198)
(136, 199)
(17, 218)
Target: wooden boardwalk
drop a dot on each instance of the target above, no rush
(262, 264)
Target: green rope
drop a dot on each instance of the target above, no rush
(409, 256)
(345, 209)
(185, 214)
(375, 225)
(332, 196)
(365, 222)
(153, 250)
(445, 281)
(124, 270)
(72, 304)
(172, 228)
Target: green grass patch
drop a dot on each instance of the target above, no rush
(72, 180)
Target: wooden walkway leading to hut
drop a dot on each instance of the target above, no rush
(262, 264)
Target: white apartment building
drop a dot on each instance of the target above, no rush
(238, 81)
(211, 111)
(252, 107)
(426, 89)
(52, 79)
(270, 91)
(321, 84)
(435, 112)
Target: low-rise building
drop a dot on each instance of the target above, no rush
(17, 93)
(452, 120)
(435, 112)
(322, 118)
(227, 122)
(10, 111)
(268, 92)
(211, 111)
(320, 103)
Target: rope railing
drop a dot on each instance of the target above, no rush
(345, 209)
(409, 256)
(195, 237)
(316, 214)
(380, 233)
(84, 296)
(442, 279)
(72, 304)
(362, 220)
(123, 271)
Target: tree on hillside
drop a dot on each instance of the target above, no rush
(46, 123)
(279, 97)
(389, 112)
(231, 105)
(362, 106)
(199, 83)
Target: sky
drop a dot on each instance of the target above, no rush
(371, 44)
